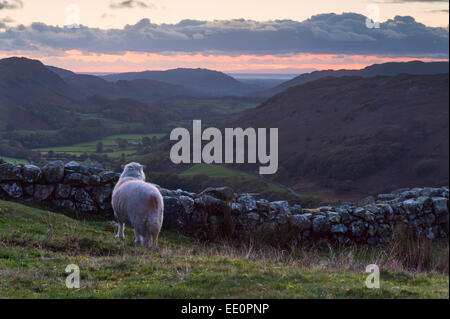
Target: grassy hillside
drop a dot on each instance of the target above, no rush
(37, 245)
(109, 143)
(220, 171)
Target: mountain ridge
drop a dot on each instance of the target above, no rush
(387, 69)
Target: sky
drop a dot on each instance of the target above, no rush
(234, 36)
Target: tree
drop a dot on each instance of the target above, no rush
(146, 141)
(122, 143)
(99, 147)
(10, 127)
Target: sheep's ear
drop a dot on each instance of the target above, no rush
(144, 167)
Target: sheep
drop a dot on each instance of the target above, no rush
(139, 204)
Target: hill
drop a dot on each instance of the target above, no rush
(36, 97)
(31, 96)
(184, 268)
(201, 80)
(139, 89)
(353, 133)
(387, 69)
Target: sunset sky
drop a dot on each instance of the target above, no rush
(235, 36)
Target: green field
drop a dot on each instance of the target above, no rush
(108, 143)
(14, 160)
(220, 171)
(36, 246)
(220, 105)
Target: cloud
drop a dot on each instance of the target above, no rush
(11, 4)
(128, 4)
(321, 34)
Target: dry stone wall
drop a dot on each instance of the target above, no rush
(219, 212)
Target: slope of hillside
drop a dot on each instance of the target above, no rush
(368, 133)
(142, 90)
(202, 80)
(33, 96)
(184, 268)
(387, 69)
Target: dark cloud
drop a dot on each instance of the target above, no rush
(11, 4)
(325, 33)
(126, 4)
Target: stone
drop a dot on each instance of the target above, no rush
(174, 213)
(95, 180)
(62, 191)
(339, 228)
(75, 167)
(188, 204)
(77, 179)
(236, 209)
(263, 206)
(282, 217)
(366, 201)
(81, 196)
(440, 205)
(359, 212)
(357, 228)
(247, 202)
(320, 224)
(253, 216)
(431, 192)
(29, 190)
(412, 206)
(43, 192)
(31, 174)
(334, 217)
(280, 207)
(101, 193)
(296, 209)
(213, 205)
(369, 217)
(429, 233)
(429, 219)
(345, 216)
(372, 230)
(386, 197)
(410, 194)
(301, 222)
(109, 176)
(166, 192)
(53, 172)
(384, 230)
(222, 193)
(13, 190)
(10, 172)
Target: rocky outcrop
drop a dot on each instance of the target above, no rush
(219, 212)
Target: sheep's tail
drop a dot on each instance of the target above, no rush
(153, 203)
(154, 219)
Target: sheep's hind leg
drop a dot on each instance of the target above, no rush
(121, 231)
(139, 234)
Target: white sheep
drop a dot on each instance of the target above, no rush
(139, 204)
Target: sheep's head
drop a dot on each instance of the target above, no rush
(134, 170)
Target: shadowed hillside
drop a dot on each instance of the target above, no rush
(388, 69)
(202, 80)
(354, 133)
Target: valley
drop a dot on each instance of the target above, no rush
(340, 131)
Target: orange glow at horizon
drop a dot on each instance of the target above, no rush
(78, 61)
